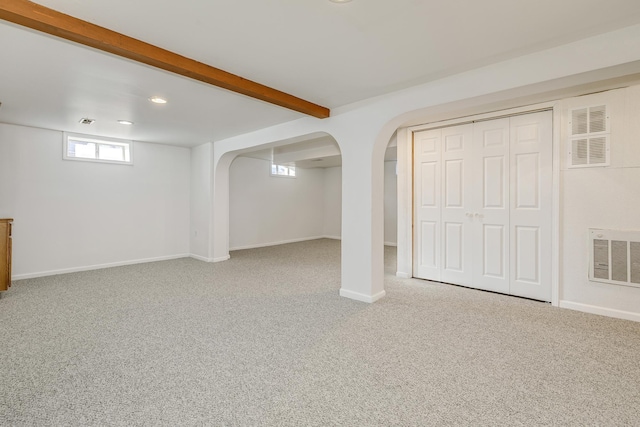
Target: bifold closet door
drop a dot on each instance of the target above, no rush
(426, 215)
(531, 198)
(491, 212)
(457, 209)
(482, 205)
(443, 215)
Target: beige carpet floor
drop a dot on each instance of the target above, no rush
(264, 340)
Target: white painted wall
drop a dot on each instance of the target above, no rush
(72, 215)
(390, 204)
(363, 130)
(608, 198)
(200, 201)
(244, 215)
(266, 210)
(333, 202)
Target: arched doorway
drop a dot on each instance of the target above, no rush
(285, 193)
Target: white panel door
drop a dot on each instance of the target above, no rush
(457, 210)
(531, 174)
(482, 200)
(491, 214)
(426, 218)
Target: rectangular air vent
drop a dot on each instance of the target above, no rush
(589, 152)
(598, 119)
(589, 120)
(614, 257)
(588, 144)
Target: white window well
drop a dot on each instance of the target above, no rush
(97, 149)
(281, 170)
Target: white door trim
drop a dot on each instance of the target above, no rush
(405, 186)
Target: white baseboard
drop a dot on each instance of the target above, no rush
(602, 311)
(281, 242)
(201, 258)
(332, 237)
(222, 258)
(340, 238)
(403, 275)
(95, 267)
(362, 297)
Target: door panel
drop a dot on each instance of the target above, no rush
(453, 183)
(527, 181)
(492, 136)
(427, 195)
(527, 254)
(428, 247)
(429, 192)
(494, 253)
(457, 190)
(491, 214)
(454, 252)
(531, 161)
(493, 187)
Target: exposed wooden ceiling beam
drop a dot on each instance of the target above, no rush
(58, 24)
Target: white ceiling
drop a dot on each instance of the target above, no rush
(327, 53)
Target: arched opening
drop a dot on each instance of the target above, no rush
(285, 193)
(289, 222)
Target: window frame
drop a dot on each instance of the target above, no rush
(98, 140)
(277, 175)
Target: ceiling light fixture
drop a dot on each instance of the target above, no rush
(340, 1)
(125, 122)
(157, 100)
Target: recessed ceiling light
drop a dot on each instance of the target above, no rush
(157, 100)
(340, 1)
(125, 122)
(86, 121)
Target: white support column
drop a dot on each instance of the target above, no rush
(362, 222)
(200, 201)
(219, 238)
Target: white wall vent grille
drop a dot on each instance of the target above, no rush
(614, 257)
(589, 137)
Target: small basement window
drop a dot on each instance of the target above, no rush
(281, 170)
(97, 149)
